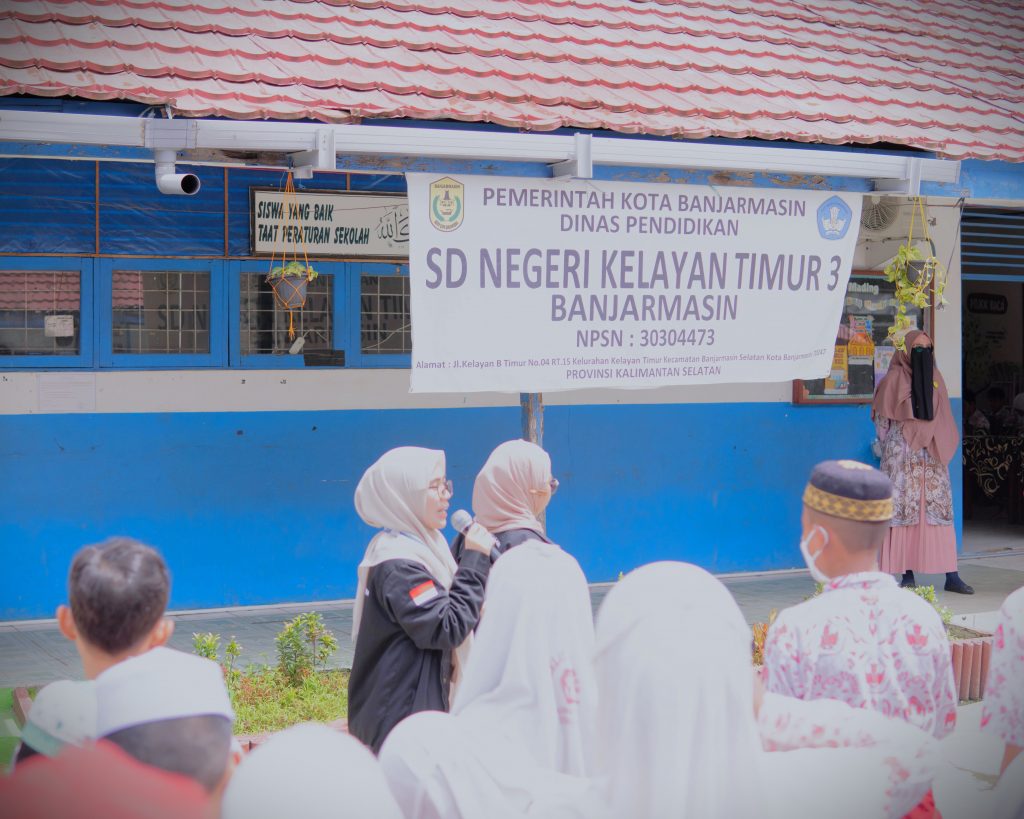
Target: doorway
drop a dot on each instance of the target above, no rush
(993, 380)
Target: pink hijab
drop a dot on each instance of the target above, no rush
(893, 401)
(501, 494)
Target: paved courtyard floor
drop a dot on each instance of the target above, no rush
(35, 652)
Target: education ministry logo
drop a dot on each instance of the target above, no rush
(447, 198)
(834, 217)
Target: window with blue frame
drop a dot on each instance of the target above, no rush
(40, 312)
(382, 329)
(266, 327)
(45, 312)
(384, 316)
(129, 313)
(161, 313)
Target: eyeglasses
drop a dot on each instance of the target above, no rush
(552, 486)
(443, 486)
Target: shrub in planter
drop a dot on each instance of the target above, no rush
(760, 632)
(303, 644)
(271, 698)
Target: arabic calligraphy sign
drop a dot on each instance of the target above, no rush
(329, 223)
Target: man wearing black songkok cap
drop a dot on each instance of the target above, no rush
(863, 640)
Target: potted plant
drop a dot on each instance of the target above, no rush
(289, 282)
(914, 275)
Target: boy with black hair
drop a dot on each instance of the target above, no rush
(117, 591)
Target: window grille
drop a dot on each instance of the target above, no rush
(264, 323)
(40, 312)
(992, 243)
(384, 315)
(161, 311)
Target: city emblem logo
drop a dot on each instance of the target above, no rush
(446, 204)
(834, 217)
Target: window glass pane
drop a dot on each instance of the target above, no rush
(161, 312)
(264, 323)
(40, 312)
(384, 315)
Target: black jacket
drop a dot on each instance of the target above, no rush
(506, 541)
(410, 625)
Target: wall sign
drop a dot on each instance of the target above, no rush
(530, 285)
(987, 303)
(59, 326)
(332, 224)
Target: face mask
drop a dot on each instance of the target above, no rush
(818, 575)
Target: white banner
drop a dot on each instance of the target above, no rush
(332, 224)
(531, 285)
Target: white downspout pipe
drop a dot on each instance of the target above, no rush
(167, 181)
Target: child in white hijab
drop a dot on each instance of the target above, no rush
(510, 494)
(521, 728)
(311, 771)
(415, 607)
(677, 731)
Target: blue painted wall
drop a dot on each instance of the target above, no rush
(50, 207)
(257, 507)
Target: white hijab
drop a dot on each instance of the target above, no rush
(310, 771)
(392, 496)
(521, 724)
(502, 499)
(676, 724)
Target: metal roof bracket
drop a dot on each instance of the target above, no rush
(578, 166)
(172, 134)
(321, 158)
(910, 185)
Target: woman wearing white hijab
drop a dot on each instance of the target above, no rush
(415, 607)
(677, 731)
(521, 725)
(511, 493)
(311, 771)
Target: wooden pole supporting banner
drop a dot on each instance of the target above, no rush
(532, 411)
(532, 406)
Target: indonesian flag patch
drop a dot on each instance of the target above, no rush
(423, 593)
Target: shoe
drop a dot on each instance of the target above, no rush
(958, 587)
(907, 581)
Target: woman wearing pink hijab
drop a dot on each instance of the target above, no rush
(919, 437)
(510, 494)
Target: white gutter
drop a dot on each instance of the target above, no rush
(313, 146)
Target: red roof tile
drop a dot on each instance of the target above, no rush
(934, 74)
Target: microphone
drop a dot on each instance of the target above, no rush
(462, 520)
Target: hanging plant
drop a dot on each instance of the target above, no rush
(289, 279)
(289, 282)
(296, 269)
(916, 276)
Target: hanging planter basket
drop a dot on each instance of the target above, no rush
(289, 284)
(290, 279)
(920, 279)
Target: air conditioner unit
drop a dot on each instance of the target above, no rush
(885, 218)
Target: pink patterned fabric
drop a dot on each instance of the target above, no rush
(1003, 710)
(922, 537)
(788, 724)
(870, 644)
(923, 548)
